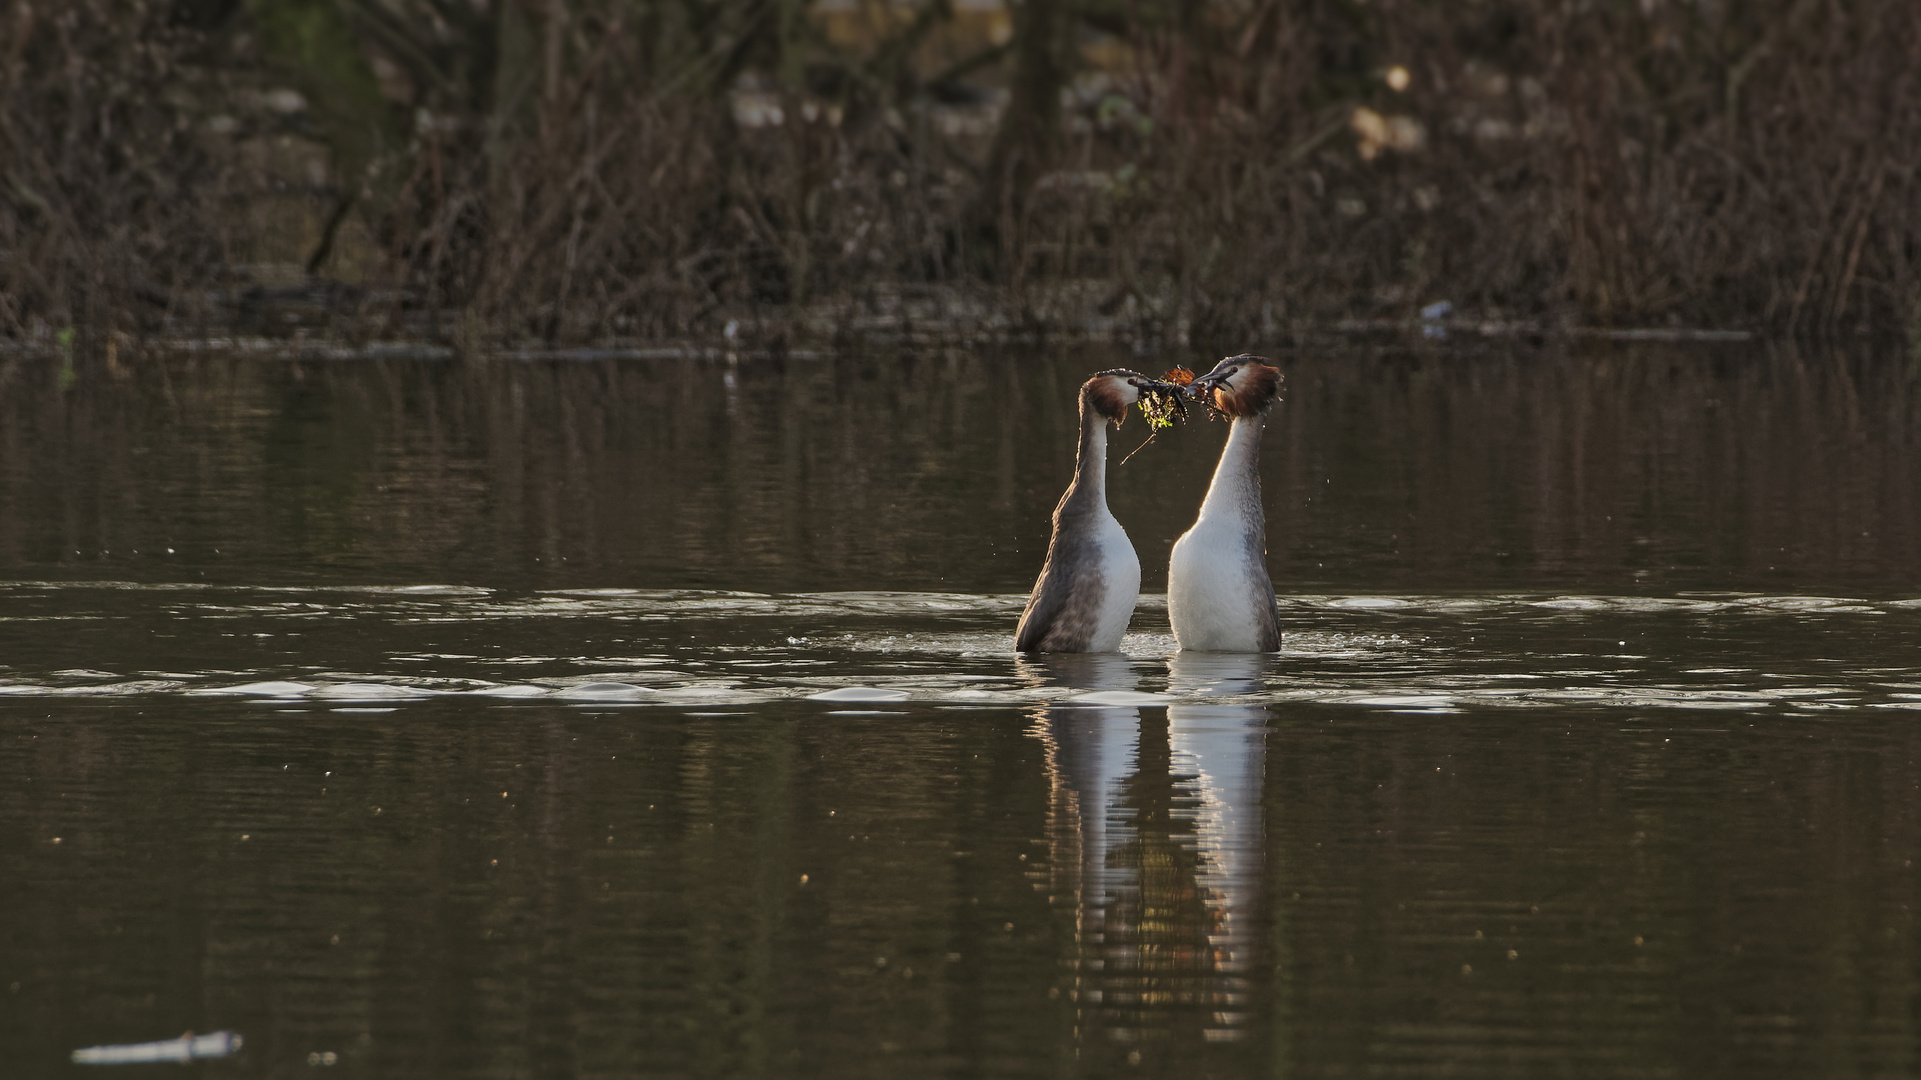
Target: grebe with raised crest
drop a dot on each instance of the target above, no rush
(1086, 592)
(1219, 595)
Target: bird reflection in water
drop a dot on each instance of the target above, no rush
(1155, 840)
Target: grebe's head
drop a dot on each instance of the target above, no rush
(1109, 393)
(1240, 385)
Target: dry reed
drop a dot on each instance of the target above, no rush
(610, 169)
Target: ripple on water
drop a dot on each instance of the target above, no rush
(429, 590)
(604, 691)
(1495, 651)
(1124, 698)
(1399, 701)
(370, 691)
(512, 690)
(1367, 603)
(859, 693)
(259, 689)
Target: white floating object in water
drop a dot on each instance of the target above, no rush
(188, 1047)
(605, 691)
(261, 689)
(1120, 697)
(859, 693)
(362, 691)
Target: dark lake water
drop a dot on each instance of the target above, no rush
(467, 719)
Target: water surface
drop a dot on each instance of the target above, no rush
(659, 719)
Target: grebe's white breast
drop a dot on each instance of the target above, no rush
(1219, 596)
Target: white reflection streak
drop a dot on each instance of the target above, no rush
(1225, 745)
(1091, 751)
(1090, 756)
(1122, 981)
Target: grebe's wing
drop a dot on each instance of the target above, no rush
(1042, 616)
(1063, 612)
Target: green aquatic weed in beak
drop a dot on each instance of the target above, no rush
(1163, 402)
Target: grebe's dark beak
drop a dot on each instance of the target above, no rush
(1137, 380)
(1213, 379)
(1153, 386)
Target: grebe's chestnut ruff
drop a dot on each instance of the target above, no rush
(1086, 592)
(1219, 596)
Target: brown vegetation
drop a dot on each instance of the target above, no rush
(591, 170)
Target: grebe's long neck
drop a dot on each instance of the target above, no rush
(1089, 488)
(1219, 595)
(1235, 493)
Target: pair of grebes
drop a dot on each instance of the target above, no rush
(1219, 596)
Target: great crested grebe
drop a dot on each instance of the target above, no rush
(1087, 588)
(1219, 596)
